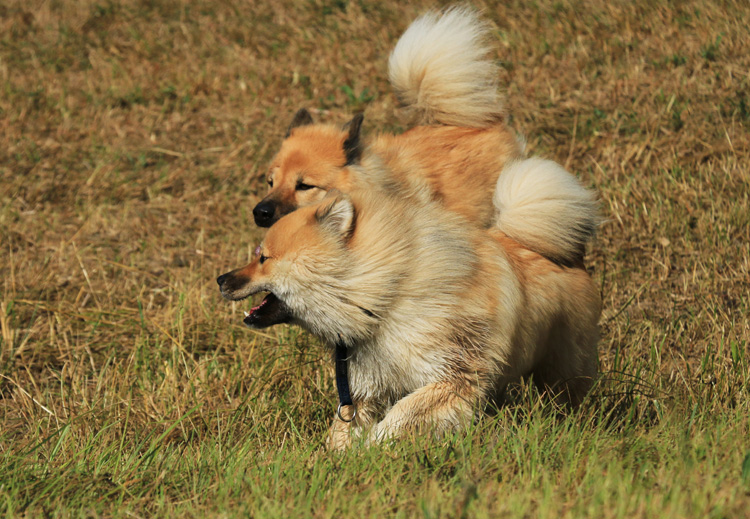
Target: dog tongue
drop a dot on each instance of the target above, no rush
(256, 308)
(270, 311)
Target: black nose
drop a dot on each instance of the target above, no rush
(220, 280)
(263, 213)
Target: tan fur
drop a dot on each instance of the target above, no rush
(458, 149)
(460, 166)
(311, 154)
(438, 317)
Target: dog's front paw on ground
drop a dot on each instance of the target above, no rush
(338, 442)
(339, 437)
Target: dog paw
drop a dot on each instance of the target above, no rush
(337, 441)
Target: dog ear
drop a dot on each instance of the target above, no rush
(301, 118)
(337, 215)
(352, 144)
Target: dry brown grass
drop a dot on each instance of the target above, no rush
(134, 134)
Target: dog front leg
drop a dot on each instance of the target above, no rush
(341, 432)
(440, 406)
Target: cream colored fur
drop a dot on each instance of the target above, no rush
(546, 208)
(443, 72)
(438, 317)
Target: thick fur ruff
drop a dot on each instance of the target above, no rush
(438, 317)
(443, 73)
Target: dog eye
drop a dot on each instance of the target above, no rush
(270, 182)
(263, 259)
(301, 186)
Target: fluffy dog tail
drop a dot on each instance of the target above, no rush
(546, 209)
(442, 72)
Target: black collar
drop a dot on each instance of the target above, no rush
(342, 380)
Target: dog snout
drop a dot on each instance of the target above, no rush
(234, 285)
(264, 213)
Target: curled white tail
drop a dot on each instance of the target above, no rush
(442, 72)
(545, 208)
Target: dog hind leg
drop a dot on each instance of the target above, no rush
(570, 370)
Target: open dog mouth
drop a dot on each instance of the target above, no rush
(270, 311)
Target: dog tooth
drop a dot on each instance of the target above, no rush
(247, 313)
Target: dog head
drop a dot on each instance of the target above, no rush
(301, 264)
(311, 162)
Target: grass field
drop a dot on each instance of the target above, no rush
(134, 137)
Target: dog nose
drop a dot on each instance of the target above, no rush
(220, 280)
(263, 213)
